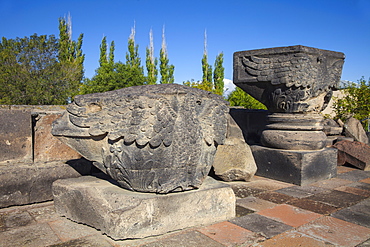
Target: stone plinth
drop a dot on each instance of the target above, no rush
(300, 167)
(123, 214)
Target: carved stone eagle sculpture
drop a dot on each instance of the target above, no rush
(289, 79)
(153, 138)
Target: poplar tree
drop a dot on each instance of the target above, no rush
(135, 72)
(70, 56)
(206, 68)
(151, 62)
(219, 74)
(166, 70)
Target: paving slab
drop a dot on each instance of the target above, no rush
(254, 203)
(301, 191)
(230, 234)
(343, 169)
(44, 214)
(355, 175)
(30, 236)
(337, 198)
(353, 190)
(352, 216)
(366, 180)
(18, 219)
(241, 190)
(293, 239)
(314, 206)
(364, 244)
(336, 231)
(275, 197)
(332, 183)
(289, 215)
(261, 224)
(360, 185)
(241, 211)
(91, 241)
(69, 230)
(187, 239)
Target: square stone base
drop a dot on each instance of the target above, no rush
(123, 214)
(300, 167)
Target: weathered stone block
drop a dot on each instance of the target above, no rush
(46, 146)
(15, 135)
(354, 129)
(24, 183)
(234, 161)
(295, 166)
(354, 153)
(123, 214)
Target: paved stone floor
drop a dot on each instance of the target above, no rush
(334, 212)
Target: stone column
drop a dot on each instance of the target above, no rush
(296, 84)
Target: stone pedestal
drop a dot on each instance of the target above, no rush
(122, 214)
(300, 167)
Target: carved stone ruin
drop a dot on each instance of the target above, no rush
(295, 83)
(154, 138)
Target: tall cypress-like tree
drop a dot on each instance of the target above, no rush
(151, 61)
(166, 70)
(103, 52)
(135, 71)
(206, 68)
(70, 55)
(219, 74)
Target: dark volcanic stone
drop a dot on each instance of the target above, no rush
(153, 138)
(260, 224)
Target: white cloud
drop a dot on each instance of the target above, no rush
(229, 86)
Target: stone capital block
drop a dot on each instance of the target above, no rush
(300, 167)
(293, 79)
(151, 138)
(123, 214)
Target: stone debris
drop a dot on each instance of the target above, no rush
(353, 128)
(354, 153)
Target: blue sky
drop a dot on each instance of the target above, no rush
(233, 25)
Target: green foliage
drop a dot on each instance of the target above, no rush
(151, 62)
(240, 98)
(41, 69)
(356, 102)
(115, 75)
(216, 85)
(218, 75)
(165, 69)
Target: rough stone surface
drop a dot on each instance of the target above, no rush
(297, 167)
(234, 161)
(123, 214)
(331, 127)
(153, 138)
(289, 79)
(15, 135)
(250, 122)
(354, 129)
(46, 146)
(22, 183)
(354, 153)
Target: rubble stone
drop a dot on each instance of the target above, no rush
(354, 129)
(354, 153)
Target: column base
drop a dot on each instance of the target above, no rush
(300, 167)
